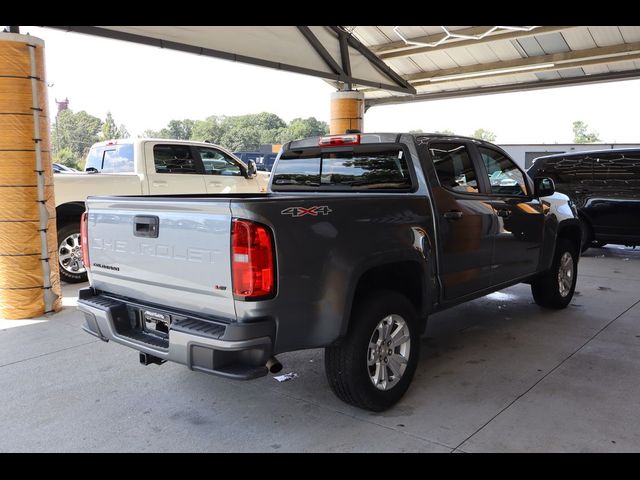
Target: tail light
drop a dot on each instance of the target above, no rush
(84, 240)
(252, 265)
(337, 140)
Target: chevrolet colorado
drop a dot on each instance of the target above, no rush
(360, 238)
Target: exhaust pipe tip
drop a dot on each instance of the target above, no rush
(274, 365)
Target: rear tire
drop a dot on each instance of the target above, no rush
(555, 288)
(372, 367)
(72, 268)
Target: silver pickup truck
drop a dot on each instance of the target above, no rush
(360, 238)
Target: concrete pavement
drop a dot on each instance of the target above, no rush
(498, 374)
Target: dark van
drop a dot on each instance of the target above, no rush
(605, 186)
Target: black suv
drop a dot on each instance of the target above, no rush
(605, 186)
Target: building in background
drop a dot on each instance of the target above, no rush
(525, 154)
(62, 105)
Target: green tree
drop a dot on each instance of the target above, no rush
(164, 133)
(242, 132)
(123, 132)
(301, 128)
(180, 129)
(483, 134)
(111, 131)
(446, 131)
(209, 130)
(109, 128)
(248, 132)
(239, 136)
(66, 157)
(175, 129)
(580, 134)
(75, 132)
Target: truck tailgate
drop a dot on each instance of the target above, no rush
(186, 267)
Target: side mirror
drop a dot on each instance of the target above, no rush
(91, 170)
(544, 186)
(251, 169)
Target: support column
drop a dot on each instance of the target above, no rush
(347, 112)
(29, 278)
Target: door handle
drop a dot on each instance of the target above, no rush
(215, 184)
(503, 212)
(453, 215)
(159, 184)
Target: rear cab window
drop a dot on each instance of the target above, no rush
(370, 167)
(111, 158)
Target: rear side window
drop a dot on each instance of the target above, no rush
(111, 158)
(364, 167)
(454, 167)
(174, 159)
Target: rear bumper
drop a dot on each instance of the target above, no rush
(232, 350)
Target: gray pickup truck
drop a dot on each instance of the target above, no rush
(360, 238)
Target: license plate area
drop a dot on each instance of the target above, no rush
(155, 323)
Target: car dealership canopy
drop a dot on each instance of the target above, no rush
(393, 64)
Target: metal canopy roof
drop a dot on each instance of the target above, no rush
(325, 52)
(413, 63)
(474, 60)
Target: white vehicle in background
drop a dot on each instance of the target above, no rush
(143, 167)
(60, 168)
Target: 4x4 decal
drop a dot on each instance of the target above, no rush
(302, 211)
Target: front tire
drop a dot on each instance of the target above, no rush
(555, 288)
(72, 269)
(372, 367)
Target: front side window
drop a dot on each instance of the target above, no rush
(454, 167)
(217, 163)
(174, 159)
(505, 177)
(364, 167)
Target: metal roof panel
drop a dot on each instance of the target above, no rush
(579, 38)
(630, 34)
(552, 43)
(531, 46)
(605, 36)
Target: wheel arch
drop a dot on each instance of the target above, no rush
(405, 276)
(69, 212)
(572, 232)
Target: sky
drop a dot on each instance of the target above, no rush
(144, 87)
